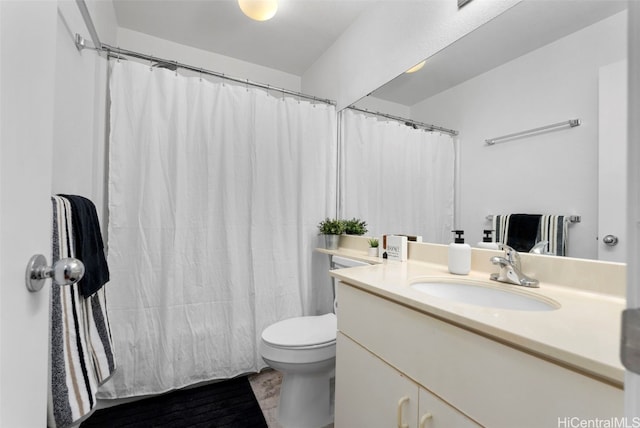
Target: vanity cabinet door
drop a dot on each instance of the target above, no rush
(370, 393)
(435, 413)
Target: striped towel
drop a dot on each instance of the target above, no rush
(551, 228)
(81, 352)
(554, 228)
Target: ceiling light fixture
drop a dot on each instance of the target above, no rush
(416, 67)
(259, 10)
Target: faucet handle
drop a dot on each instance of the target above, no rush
(540, 248)
(511, 255)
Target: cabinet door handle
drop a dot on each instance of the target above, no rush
(424, 419)
(400, 404)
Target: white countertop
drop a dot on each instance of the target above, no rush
(583, 334)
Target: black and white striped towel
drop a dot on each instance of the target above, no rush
(551, 228)
(554, 228)
(81, 352)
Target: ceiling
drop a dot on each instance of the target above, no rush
(523, 28)
(291, 42)
(303, 30)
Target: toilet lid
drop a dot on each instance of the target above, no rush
(302, 331)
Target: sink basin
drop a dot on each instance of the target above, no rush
(481, 294)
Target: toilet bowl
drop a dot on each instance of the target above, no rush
(303, 349)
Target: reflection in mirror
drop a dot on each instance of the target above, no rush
(539, 63)
(397, 175)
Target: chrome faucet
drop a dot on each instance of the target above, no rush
(541, 248)
(510, 271)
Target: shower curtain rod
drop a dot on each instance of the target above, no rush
(407, 122)
(116, 52)
(113, 52)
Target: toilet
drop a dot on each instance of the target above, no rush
(303, 349)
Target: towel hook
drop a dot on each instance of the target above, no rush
(65, 272)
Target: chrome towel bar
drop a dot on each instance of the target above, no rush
(571, 123)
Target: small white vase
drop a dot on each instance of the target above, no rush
(373, 251)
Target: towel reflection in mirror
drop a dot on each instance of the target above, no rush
(526, 232)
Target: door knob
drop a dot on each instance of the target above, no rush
(64, 271)
(610, 240)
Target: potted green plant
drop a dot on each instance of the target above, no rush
(331, 229)
(355, 226)
(373, 247)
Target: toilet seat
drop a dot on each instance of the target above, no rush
(300, 340)
(302, 332)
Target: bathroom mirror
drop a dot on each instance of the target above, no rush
(537, 64)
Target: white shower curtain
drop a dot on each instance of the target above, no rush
(215, 192)
(397, 178)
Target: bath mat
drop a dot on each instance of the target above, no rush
(227, 404)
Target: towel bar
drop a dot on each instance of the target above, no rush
(571, 123)
(571, 218)
(65, 272)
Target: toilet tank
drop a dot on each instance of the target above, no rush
(338, 262)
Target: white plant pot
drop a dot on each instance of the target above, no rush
(373, 251)
(331, 241)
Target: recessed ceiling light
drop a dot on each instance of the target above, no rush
(416, 67)
(259, 10)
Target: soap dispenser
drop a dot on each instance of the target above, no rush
(459, 255)
(487, 241)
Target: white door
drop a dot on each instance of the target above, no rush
(632, 379)
(612, 163)
(27, 60)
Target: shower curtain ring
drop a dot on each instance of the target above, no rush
(151, 63)
(201, 74)
(246, 86)
(268, 89)
(119, 51)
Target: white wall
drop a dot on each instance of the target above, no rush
(556, 172)
(80, 113)
(103, 16)
(389, 39)
(144, 43)
(384, 106)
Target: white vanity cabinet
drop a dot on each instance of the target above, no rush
(371, 393)
(435, 413)
(387, 351)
